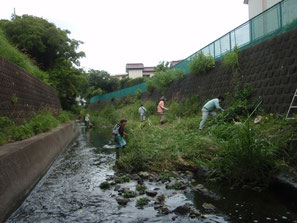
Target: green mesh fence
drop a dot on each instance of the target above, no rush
(120, 93)
(278, 19)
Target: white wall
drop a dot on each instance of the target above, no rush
(135, 73)
(258, 6)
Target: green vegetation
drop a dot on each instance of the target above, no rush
(39, 123)
(130, 194)
(28, 40)
(11, 53)
(162, 79)
(141, 189)
(167, 176)
(104, 185)
(241, 154)
(231, 59)
(201, 64)
(120, 180)
(142, 202)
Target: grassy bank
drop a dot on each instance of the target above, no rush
(41, 122)
(238, 153)
(11, 53)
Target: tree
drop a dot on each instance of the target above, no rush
(68, 81)
(42, 41)
(162, 66)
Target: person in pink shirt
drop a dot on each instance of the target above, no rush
(161, 109)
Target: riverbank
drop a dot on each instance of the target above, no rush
(23, 164)
(227, 150)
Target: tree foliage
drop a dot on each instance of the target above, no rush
(68, 81)
(42, 41)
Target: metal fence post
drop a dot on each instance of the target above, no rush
(281, 16)
(230, 41)
(251, 30)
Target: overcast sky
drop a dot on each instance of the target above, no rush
(116, 32)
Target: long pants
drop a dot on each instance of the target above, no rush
(142, 118)
(161, 114)
(205, 114)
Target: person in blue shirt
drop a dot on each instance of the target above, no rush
(209, 108)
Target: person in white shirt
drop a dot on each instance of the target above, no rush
(87, 119)
(209, 108)
(142, 112)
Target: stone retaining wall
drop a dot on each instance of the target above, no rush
(22, 94)
(23, 163)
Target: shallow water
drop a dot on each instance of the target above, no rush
(70, 192)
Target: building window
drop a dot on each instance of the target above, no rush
(145, 75)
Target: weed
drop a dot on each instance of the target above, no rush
(130, 194)
(64, 116)
(167, 175)
(231, 59)
(142, 202)
(162, 79)
(104, 185)
(138, 93)
(141, 189)
(246, 159)
(123, 179)
(14, 99)
(201, 64)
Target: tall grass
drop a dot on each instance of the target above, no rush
(11, 53)
(40, 122)
(245, 158)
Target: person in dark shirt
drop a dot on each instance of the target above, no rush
(118, 132)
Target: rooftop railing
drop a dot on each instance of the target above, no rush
(279, 18)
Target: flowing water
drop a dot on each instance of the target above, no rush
(70, 192)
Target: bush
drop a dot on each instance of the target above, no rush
(138, 93)
(43, 122)
(175, 110)
(246, 159)
(162, 79)
(151, 108)
(231, 59)
(241, 105)
(22, 132)
(191, 105)
(201, 64)
(65, 116)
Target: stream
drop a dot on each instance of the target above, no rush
(70, 192)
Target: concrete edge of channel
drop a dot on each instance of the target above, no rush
(23, 163)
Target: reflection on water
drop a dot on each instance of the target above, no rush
(70, 192)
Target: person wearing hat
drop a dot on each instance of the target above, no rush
(161, 109)
(208, 109)
(142, 112)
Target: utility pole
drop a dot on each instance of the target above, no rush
(13, 16)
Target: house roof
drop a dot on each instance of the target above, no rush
(174, 62)
(149, 69)
(130, 66)
(246, 2)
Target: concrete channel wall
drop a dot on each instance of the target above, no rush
(23, 163)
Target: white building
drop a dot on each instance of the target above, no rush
(135, 70)
(258, 6)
